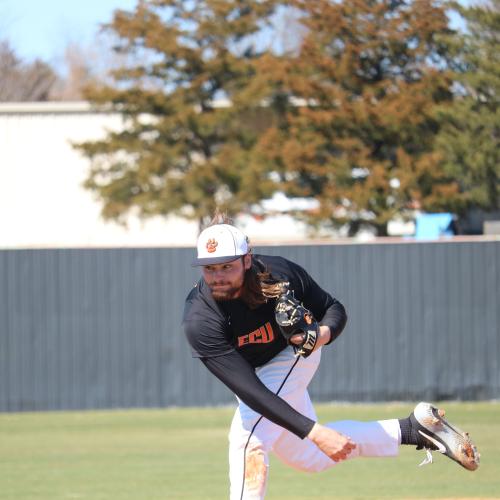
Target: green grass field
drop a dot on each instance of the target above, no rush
(182, 454)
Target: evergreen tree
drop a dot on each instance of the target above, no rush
(358, 128)
(470, 136)
(186, 137)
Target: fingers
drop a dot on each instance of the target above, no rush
(343, 453)
(297, 338)
(351, 445)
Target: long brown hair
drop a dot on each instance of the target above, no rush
(258, 285)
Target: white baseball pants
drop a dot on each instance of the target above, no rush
(252, 437)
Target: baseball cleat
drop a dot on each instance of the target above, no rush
(439, 435)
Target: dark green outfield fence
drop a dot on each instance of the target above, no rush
(100, 328)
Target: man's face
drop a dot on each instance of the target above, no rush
(226, 280)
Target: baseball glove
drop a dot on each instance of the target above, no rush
(293, 318)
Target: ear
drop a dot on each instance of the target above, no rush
(247, 261)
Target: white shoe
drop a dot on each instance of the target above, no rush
(439, 435)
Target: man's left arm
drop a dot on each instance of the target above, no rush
(333, 321)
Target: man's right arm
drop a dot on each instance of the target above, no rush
(240, 377)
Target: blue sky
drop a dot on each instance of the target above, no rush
(43, 28)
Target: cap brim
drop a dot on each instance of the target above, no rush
(214, 260)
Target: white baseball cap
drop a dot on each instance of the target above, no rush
(220, 243)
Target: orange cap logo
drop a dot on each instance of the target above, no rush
(211, 245)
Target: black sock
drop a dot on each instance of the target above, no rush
(407, 432)
(410, 435)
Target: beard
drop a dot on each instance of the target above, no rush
(224, 291)
(228, 288)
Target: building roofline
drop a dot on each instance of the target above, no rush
(44, 107)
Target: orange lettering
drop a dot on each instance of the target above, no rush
(263, 335)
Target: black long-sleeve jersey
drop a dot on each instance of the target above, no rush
(232, 340)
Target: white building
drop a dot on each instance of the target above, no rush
(43, 203)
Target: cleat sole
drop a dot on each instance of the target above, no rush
(449, 440)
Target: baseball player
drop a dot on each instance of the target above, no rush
(259, 323)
